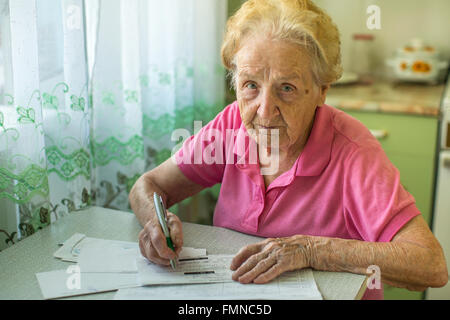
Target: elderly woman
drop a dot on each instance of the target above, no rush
(331, 200)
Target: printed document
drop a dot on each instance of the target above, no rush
(209, 269)
(293, 285)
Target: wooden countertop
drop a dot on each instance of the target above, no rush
(387, 97)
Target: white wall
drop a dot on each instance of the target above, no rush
(401, 20)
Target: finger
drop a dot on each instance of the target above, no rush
(158, 260)
(142, 238)
(244, 254)
(248, 265)
(159, 242)
(148, 252)
(259, 269)
(270, 274)
(176, 231)
(151, 231)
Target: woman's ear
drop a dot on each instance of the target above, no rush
(323, 94)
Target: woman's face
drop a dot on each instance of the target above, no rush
(275, 90)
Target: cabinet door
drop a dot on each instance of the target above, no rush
(391, 293)
(417, 177)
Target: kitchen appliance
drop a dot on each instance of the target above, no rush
(441, 217)
(417, 62)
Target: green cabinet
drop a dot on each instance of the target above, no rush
(410, 143)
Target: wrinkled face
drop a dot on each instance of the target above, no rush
(275, 90)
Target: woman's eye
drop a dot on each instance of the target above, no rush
(251, 86)
(287, 88)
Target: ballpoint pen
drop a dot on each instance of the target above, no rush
(162, 217)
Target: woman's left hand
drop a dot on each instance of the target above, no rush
(261, 262)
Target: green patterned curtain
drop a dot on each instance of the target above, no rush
(90, 93)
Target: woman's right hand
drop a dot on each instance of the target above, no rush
(153, 244)
(152, 241)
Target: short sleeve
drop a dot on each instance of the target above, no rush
(202, 156)
(376, 205)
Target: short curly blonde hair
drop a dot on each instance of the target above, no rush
(297, 21)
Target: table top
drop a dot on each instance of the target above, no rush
(20, 263)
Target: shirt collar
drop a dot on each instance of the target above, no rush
(247, 161)
(317, 152)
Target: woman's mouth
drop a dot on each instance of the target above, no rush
(257, 126)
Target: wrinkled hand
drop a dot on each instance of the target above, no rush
(266, 260)
(153, 244)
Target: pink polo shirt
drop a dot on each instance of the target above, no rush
(342, 184)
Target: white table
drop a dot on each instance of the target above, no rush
(20, 263)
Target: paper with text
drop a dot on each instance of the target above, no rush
(102, 255)
(116, 257)
(213, 268)
(293, 285)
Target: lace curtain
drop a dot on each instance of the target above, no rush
(90, 93)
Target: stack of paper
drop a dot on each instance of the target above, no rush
(210, 279)
(107, 265)
(102, 265)
(211, 269)
(295, 285)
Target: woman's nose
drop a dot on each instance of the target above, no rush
(268, 108)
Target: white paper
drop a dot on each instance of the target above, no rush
(72, 247)
(294, 285)
(66, 252)
(352, 283)
(191, 253)
(103, 265)
(116, 256)
(213, 268)
(60, 283)
(108, 257)
(103, 256)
